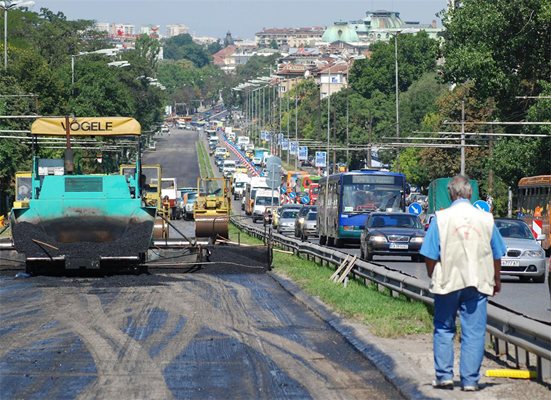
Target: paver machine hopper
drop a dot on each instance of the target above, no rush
(212, 208)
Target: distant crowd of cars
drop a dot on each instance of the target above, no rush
(384, 233)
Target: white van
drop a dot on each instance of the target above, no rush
(262, 200)
(242, 142)
(228, 168)
(240, 180)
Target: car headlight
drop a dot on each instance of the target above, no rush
(416, 239)
(378, 239)
(300, 220)
(533, 253)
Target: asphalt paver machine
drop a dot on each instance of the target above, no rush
(78, 220)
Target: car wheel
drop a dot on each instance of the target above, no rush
(369, 256)
(539, 279)
(362, 255)
(322, 240)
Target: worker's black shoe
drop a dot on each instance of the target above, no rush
(446, 384)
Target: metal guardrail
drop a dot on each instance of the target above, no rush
(515, 336)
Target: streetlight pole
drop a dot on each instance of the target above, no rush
(328, 144)
(8, 5)
(396, 84)
(288, 123)
(409, 30)
(347, 137)
(296, 126)
(463, 137)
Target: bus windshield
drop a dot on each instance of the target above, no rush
(367, 197)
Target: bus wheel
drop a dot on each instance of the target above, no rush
(323, 240)
(330, 241)
(338, 242)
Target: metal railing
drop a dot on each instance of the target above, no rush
(520, 339)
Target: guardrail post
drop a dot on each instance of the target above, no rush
(545, 369)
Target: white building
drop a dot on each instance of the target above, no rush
(122, 29)
(102, 26)
(150, 30)
(176, 29)
(333, 79)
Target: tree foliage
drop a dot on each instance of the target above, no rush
(183, 47)
(501, 45)
(39, 63)
(417, 54)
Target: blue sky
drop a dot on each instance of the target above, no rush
(242, 17)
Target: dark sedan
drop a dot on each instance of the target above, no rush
(396, 234)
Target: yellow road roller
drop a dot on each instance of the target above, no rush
(212, 208)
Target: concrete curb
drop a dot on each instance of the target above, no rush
(395, 367)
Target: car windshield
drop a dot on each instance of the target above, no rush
(266, 201)
(312, 216)
(289, 214)
(395, 221)
(514, 229)
(365, 197)
(240, 184)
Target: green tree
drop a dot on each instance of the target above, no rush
(417, 54)
(182, 47)
(501, 45)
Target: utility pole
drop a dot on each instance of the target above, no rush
(463, 137)
(296, 126)
(347, 137)
(288, 123)
(279, 110)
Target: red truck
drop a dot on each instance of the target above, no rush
(313, 192)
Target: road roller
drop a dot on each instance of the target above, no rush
(78, 220)
(151, 195)
(212, 208)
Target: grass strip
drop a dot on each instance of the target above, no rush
(205, 167)
(385, 315)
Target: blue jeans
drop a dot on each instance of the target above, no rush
(472, 307)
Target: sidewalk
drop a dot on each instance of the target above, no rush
(407, 362)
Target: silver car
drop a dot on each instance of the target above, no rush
(287, 220)
(525, 258)
(310, 225)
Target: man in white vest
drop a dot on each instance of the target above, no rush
(462, 250)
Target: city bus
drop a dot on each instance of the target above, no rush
(534, 207)
(346, 199)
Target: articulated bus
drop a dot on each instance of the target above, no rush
(345, 201)
(534, 207)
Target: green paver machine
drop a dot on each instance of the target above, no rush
(83, 221)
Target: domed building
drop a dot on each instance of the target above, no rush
(376, 26)
(340, 32)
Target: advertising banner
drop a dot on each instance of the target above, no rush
(321, 159)
(303, 153)
(293, 148)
